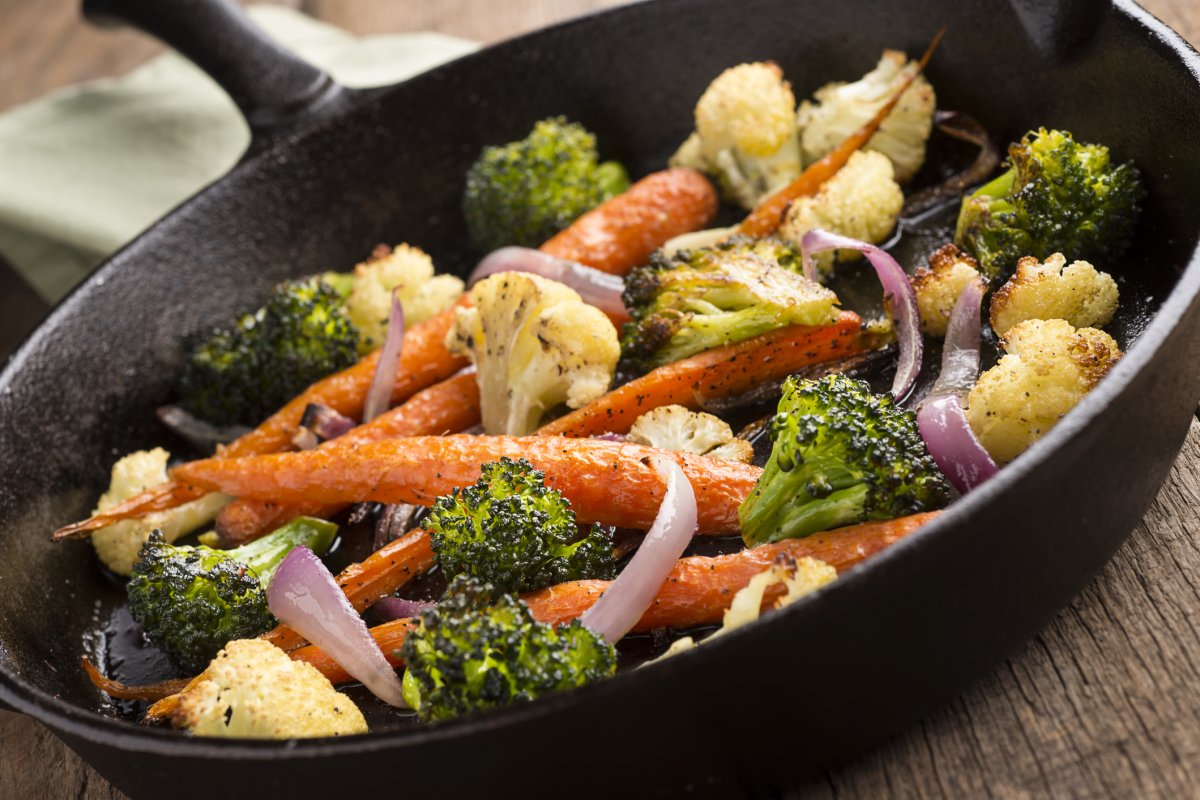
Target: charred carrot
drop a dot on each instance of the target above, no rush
(608, 482)
(714, 374)
(424, 361)
(768, 216)
(451, 406)
(697, 592)
(621, 233)
(122, 691)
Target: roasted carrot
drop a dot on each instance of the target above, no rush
(621, 233)
(768, 216)
(122, 691)
(697, 592)
(714, 374)
(608, 482)
(451, 406)
(380, 574)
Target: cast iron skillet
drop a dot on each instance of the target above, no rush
(333, 172)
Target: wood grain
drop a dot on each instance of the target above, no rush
(1103, 703)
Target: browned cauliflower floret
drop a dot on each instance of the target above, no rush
(1078, 293)
(252, 690)
(842, 108)
(861, 201)
(676, 428)
(745, 133)
(939, 285)
(1049, 368)
(408, 271)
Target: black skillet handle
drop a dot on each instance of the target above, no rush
(275, 90)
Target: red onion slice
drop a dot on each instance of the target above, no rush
(203, 436)
(597, 288)
(390, 608)
(940, 417)
(624, 602)
(898, 295)
(304, 596)
(379, 396)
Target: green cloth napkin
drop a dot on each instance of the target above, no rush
(87, 168)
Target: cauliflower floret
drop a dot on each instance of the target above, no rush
(745, 133)
(801, 578)
(1049, 368)
(1079, 294)
(408, 269)
(535, 345)
(842, 108)
(861, 201)
(118, 545)
(677, 428)
(252, 690)
(939, 285)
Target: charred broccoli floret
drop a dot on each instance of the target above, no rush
(191, 601)
(1058, 195)
(512, 532)
(476, 650)
(524, 192)
(840, 455)
(696, 300)
(243, 374)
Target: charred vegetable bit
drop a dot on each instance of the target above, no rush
(477, 650)
(509, 530)
(243, 374)
(696, 300)
(1058, 195)
(526, 191)
(191, 601)
(840, 455)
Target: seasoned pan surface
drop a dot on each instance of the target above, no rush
(808, 686)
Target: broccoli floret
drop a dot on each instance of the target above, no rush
(191, 601)
(476, 651)
(840, 455)
(243, 374)
(1058, 195)
(696, 300)
(535, 345)
(512, 532)
(524, 192)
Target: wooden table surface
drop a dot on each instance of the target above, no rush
(1103, 703)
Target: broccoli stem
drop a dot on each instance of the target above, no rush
(266, 554)
(790, 504)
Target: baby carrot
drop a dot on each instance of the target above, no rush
(608, 482)
(447, 407)
(768, 216)
(621, 233)
(697, 591)
(722, 372)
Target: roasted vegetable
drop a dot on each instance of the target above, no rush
(526, 191)
(697, 300)
(512, 532)
(1049, 368)
(191, 601)
(242, 374)
(1058, 196)
(1079, 294)
(536, 345)
(745, 133)
(676, 428)
(476, 650)
(861, 201)
(252, 690)
(409, 272)
(840, 454)
(842, 108)
(938, 286)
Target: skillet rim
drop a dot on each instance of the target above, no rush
(129, 737)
